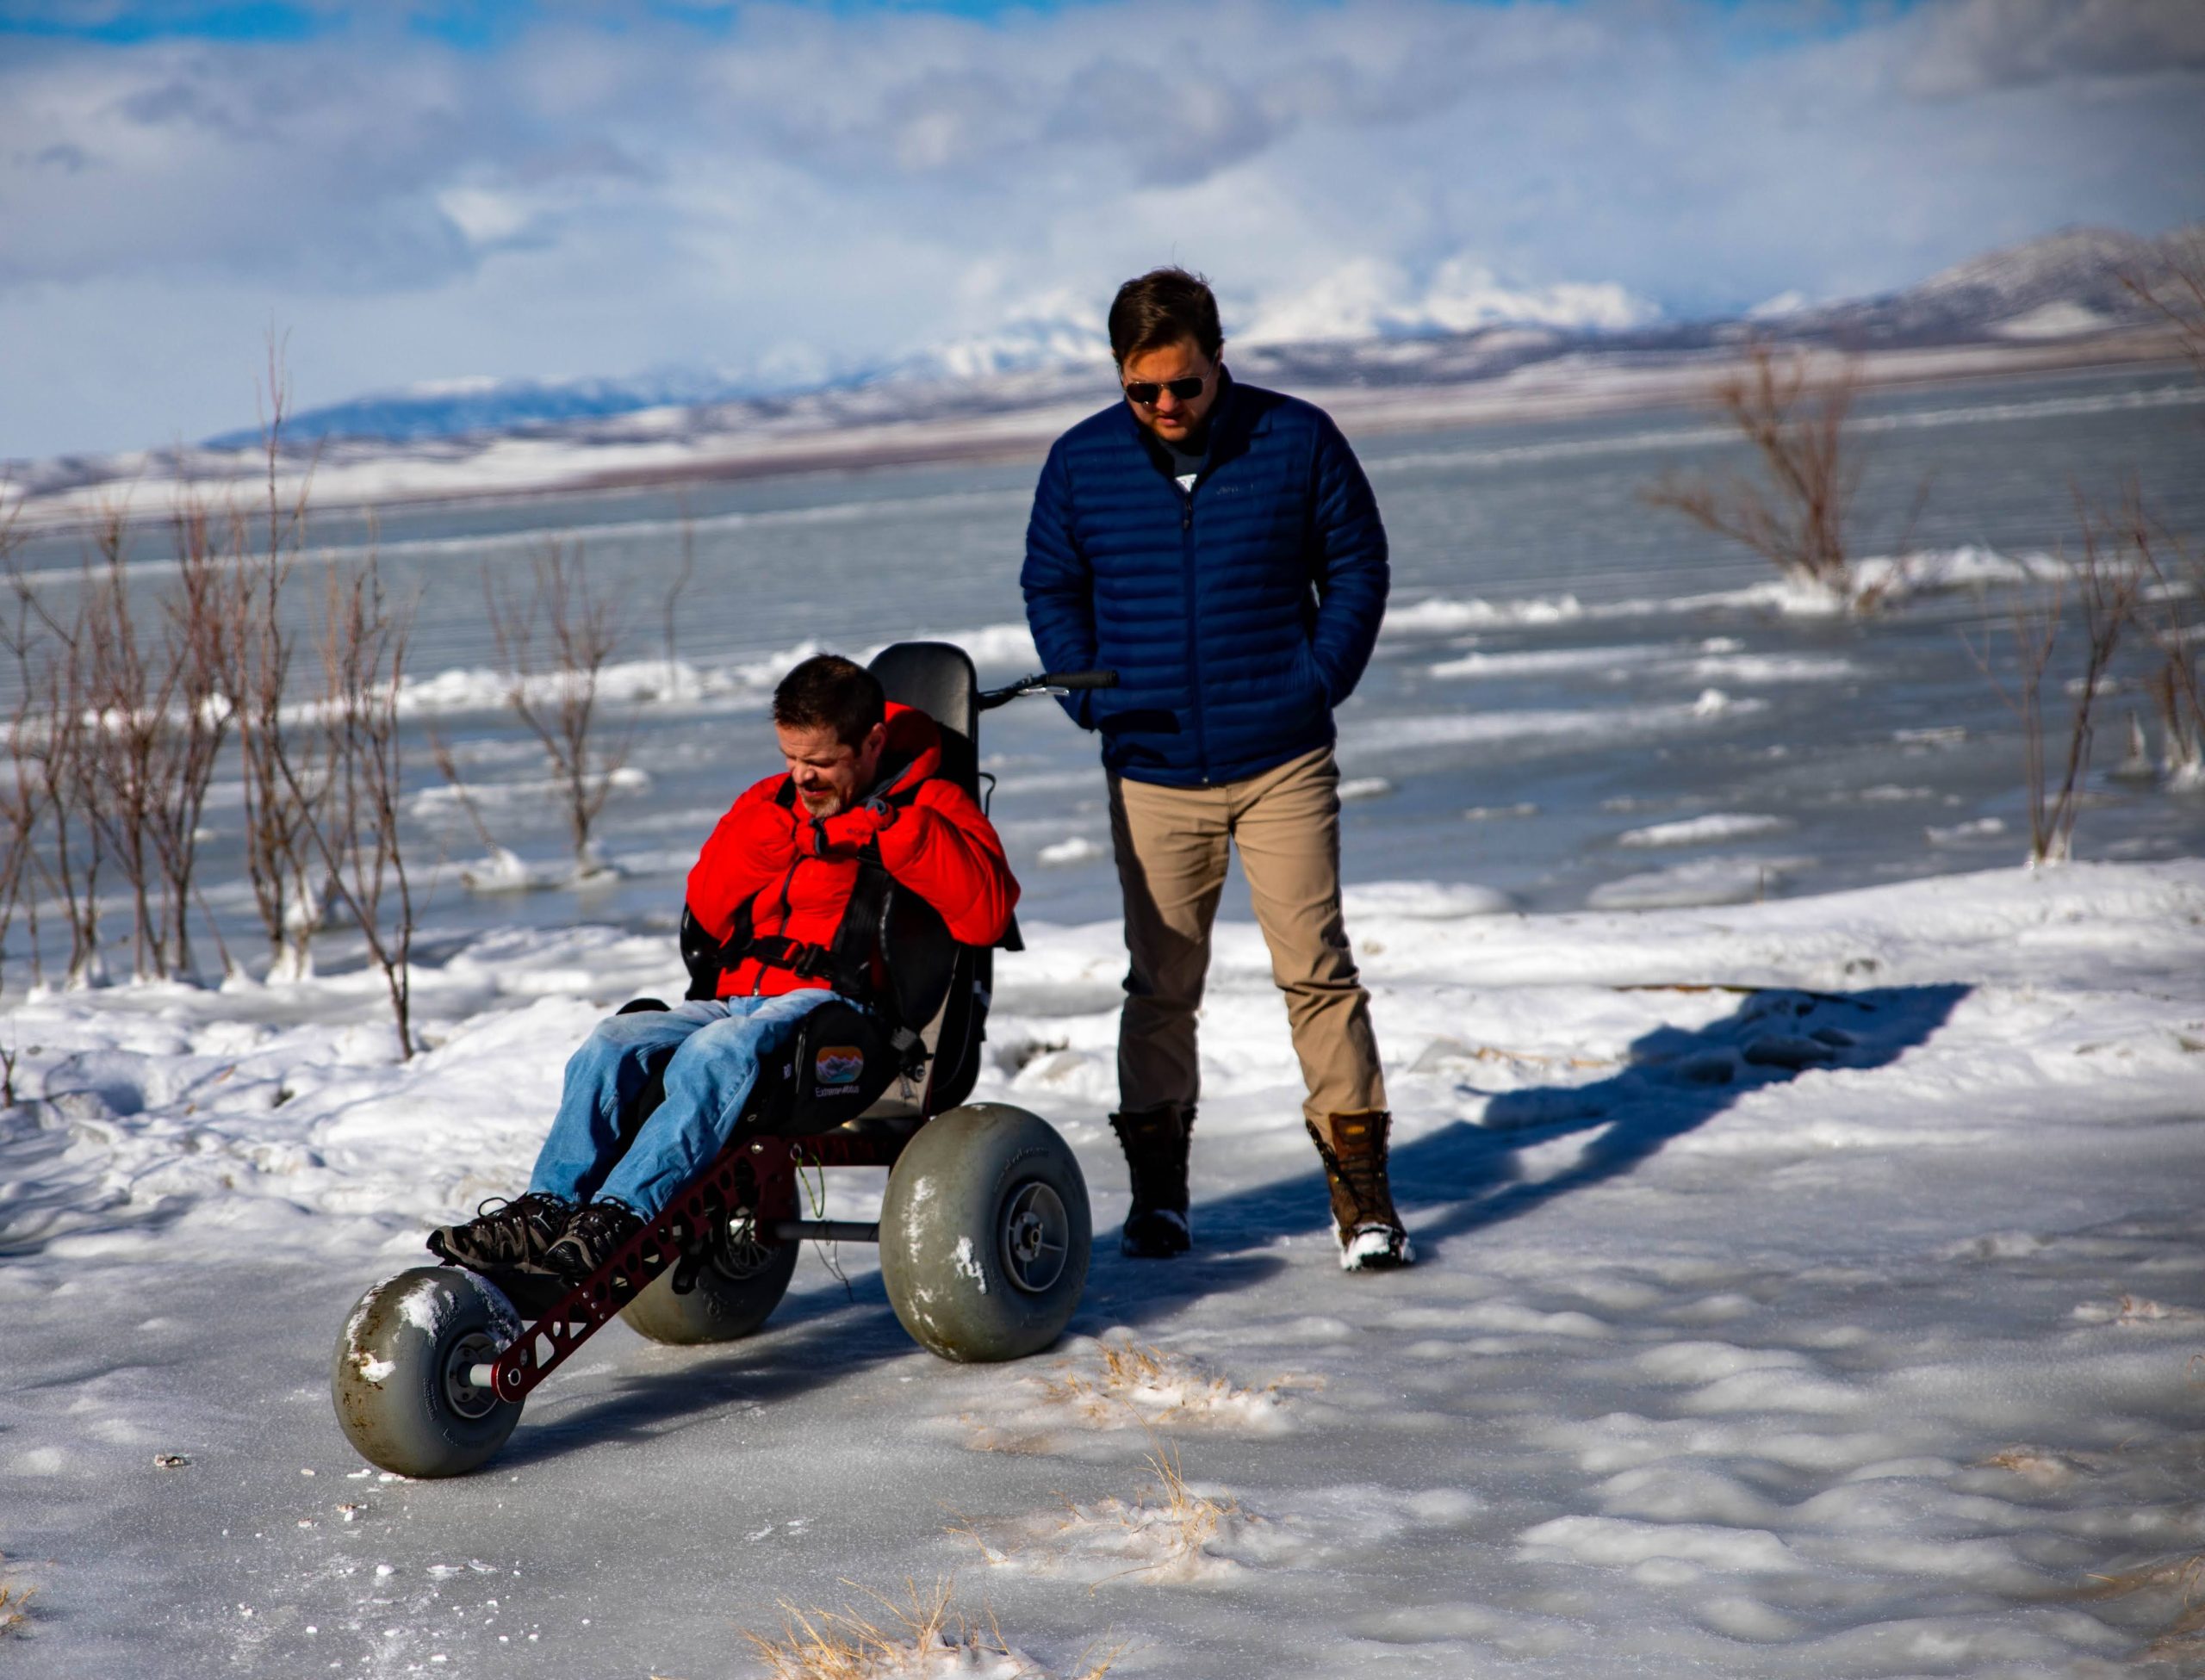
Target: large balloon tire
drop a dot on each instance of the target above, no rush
(737, 1287)
(984, 1234)
(399, 1378)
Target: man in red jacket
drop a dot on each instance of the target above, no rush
(771, 885)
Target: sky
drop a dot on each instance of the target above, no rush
(415, 193)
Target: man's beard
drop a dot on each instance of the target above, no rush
(829, 803)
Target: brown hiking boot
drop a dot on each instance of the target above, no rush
(597, 1232)
(1155, 1141)
(1353, 1149)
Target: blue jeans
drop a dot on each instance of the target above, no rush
(711, 1053)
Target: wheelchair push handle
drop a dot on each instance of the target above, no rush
(1047, 682)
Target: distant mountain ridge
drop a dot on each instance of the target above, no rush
(2078, 280)
(2067, 284)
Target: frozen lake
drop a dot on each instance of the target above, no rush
(1578, 700)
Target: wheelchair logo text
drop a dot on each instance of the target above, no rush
(838, 1065)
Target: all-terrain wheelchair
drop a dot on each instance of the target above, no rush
(983, 1231)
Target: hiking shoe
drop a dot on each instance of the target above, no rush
(1156, 1141)
(593, 1235)
(504, 1236)
(1370, 1233)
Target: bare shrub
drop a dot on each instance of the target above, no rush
(1793, 512)
(128, 695)
(158, 731)
(117, 728)
(2107, 587)
(198, 725)
(352, 818)
(18, 805)
(2172, 613)
(284, 781)
(54, 788)
(554, 644)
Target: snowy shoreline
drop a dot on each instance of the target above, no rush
(1810, 1288)
(925, 425)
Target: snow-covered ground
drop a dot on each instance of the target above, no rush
(1810, 1287)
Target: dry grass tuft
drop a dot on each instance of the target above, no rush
(1194, 1517)
(1165, 1533)
(1179, 1522)
(1155, 1387)
(2040, 1465)
(2184, 1578)
(918, 1635)
(15, 1609)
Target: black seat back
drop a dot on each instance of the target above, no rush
(937, 677)
(940, 985)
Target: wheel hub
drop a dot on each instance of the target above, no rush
(739, 1253)
(469, 1351)
(1036, 1235)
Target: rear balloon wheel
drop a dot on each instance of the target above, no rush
(984, 1234)
(737, 1287)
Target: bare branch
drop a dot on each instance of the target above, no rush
(1794, 513)
(555, 692)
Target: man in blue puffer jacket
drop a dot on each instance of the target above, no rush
(1218, 546)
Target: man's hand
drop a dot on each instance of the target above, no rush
(848, 831)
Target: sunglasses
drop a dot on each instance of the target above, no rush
(1145, 391)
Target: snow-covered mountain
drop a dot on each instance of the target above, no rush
(454, 407)
(2078, 281)
(2069, 284)
(1360, 329)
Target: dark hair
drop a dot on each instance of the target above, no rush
(828, 689)
(1160, 308)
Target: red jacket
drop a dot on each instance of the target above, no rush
(939, 844)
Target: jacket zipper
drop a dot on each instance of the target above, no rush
(1194, 638)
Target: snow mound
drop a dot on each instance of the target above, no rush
(1431, 901)
(1702, 881)
(1712, 829)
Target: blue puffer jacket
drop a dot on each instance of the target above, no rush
(1236, 616)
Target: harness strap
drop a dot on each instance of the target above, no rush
(847, 961)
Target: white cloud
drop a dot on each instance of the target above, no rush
(817, 187)
(1366, 297)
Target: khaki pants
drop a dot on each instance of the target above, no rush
(1172, 845)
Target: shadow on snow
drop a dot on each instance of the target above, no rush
(1470, 1175)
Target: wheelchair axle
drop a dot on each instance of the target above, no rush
(825, 1231)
